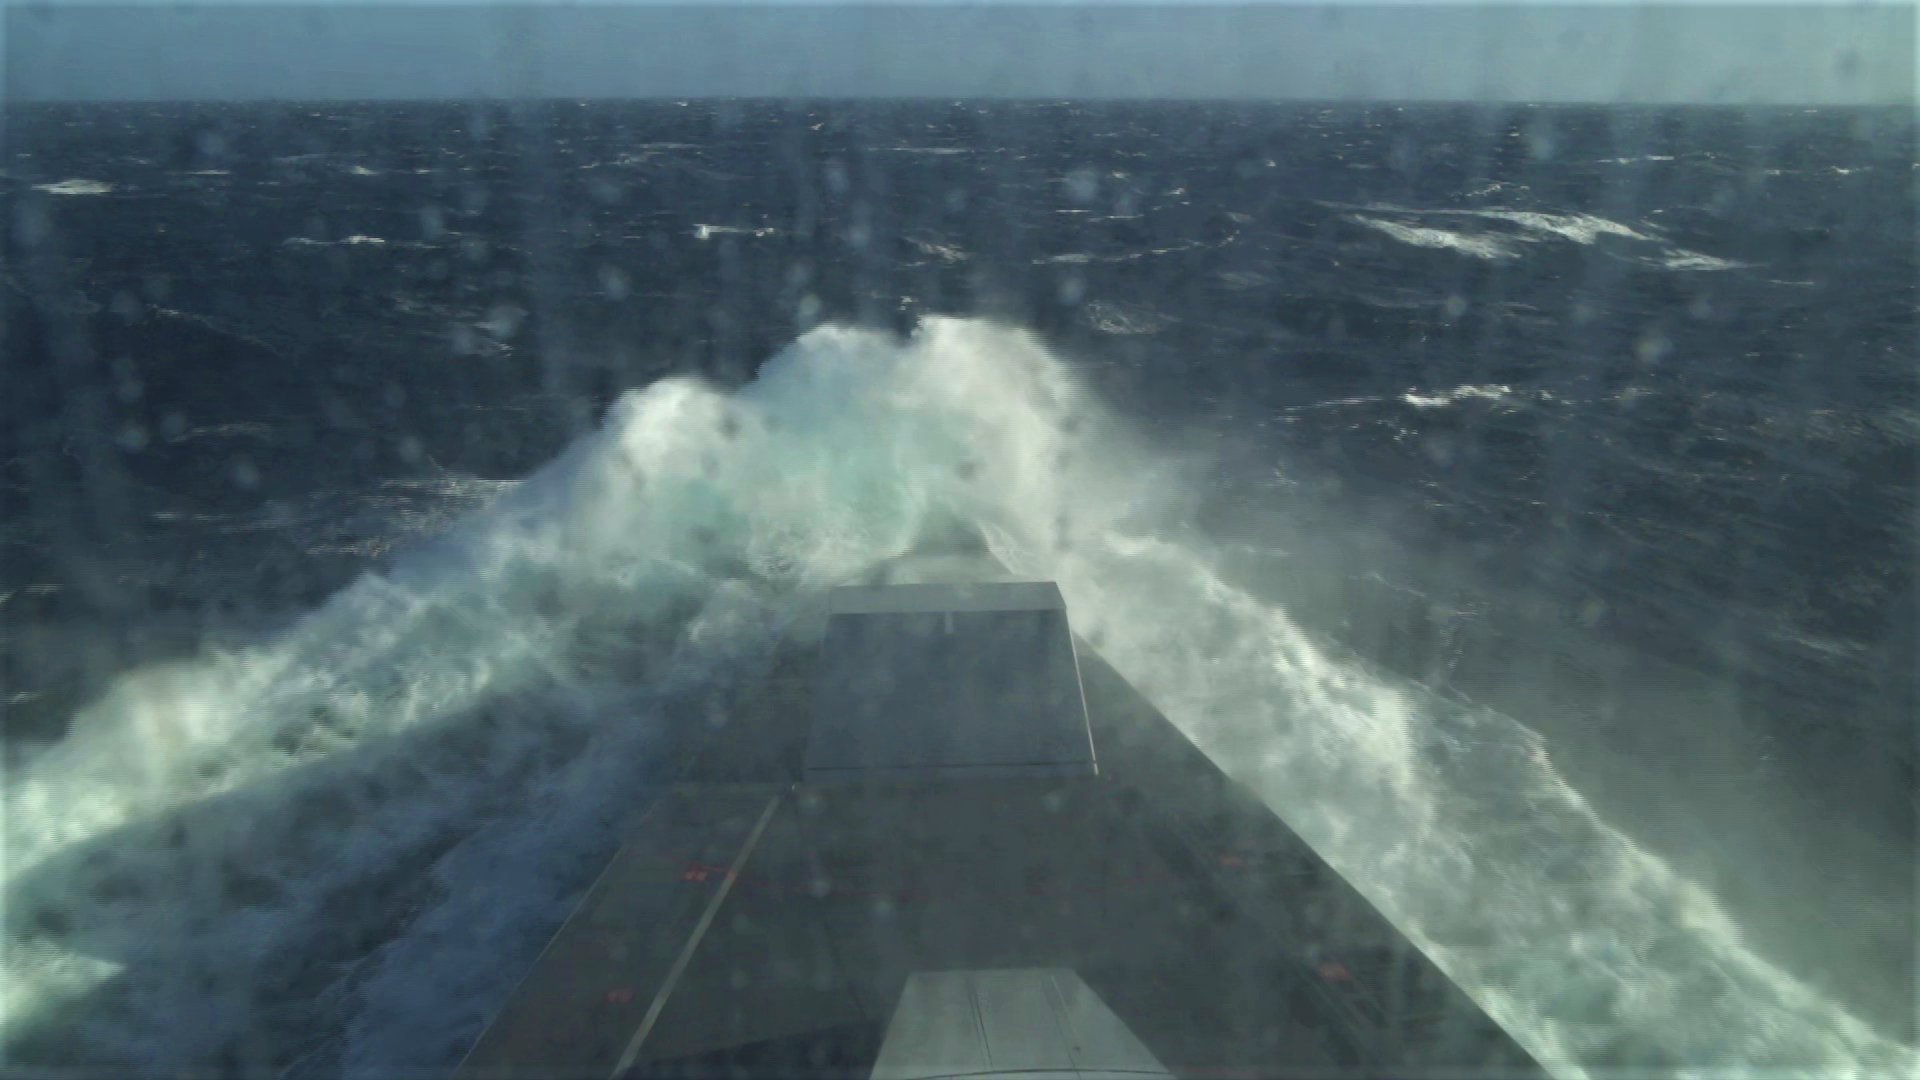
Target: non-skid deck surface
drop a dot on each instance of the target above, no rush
(1216, 936)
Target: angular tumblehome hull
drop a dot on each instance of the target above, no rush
(948, 839)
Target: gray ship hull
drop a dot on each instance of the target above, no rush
(770, 913)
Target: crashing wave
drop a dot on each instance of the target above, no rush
(373, 819)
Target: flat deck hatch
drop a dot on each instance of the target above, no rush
(923, 682)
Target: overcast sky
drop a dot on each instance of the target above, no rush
(1823, 53)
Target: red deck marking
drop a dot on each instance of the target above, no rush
(620, 995)
(1335, 972)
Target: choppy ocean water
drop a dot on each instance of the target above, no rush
(1517, 498)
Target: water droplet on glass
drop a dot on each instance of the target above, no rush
(246, 475)
(1083, 186)
(613, 283)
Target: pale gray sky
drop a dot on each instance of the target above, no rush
(1823, 53)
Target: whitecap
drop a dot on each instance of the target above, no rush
(75, 187)
(1488, 392)
(1480, 247)
(356, 240)
(1078, 257)
(708, 232)
(1334, 403)
(1494, 189)
(1535, 224)
(1579, 228)
(946, 253)
(1673, 258)
(1680, 259)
